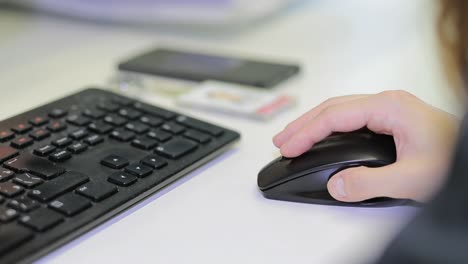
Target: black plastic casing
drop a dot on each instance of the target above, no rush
(304, 178)
(88, 163)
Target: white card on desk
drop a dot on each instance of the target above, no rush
(236, 99)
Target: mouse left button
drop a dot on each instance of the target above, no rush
(271, 173)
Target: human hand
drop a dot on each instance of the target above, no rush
(424, 138)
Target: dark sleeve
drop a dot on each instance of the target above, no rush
(439, 234)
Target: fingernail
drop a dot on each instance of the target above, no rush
(285, 148)
(277, 138)
(339, 187)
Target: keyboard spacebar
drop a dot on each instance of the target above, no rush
(57, 186)
(35, 165)
(12, 236)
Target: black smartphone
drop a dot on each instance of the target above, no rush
(194, 66)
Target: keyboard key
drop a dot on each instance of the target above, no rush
(176, 148)
(122, 101)
(100, 127)
(59, 156)
(58, 113)
(197, 136)
(137, 127)
(79, 134)
(41, 219)
(144, 143)
(77, 148)
(108, 106)
(154, 161)
(23, 204)
(40, 134)
(27, 180)
(97, 191)
(56, 126)
(44, 150)
(122, 135)
(154, 111)
(53, 188)
(70, 204)
(78, 120)
(115, 120)
(38, 121)
(62, 142)
(122, 179)
(199, 125)
(21, 142)
(21, 128)
(12, 236)
(94, 140)
(7, 214)
(129, 113)
(159, 135)
(173, 128)
(6, 135)
(5, 174)
(114, 162)
(93, 113)
(7, 153)
(139, 170)
(151, 121)
(9, 189)
(35, 165)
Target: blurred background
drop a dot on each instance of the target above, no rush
(358, 44)
(187, 12)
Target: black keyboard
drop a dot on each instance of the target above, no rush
(74, 163)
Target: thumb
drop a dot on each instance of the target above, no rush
(362, 183)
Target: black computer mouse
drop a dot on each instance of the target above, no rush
(304, 178)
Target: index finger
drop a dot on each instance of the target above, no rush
(344, 117)
(302, 121)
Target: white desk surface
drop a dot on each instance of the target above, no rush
(216, 214)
